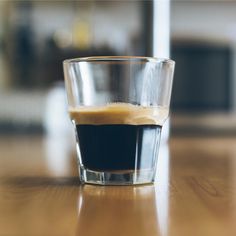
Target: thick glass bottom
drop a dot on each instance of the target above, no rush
(129, 177)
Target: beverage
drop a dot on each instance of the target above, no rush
(118, 142)
(118, 137)
(118, 147)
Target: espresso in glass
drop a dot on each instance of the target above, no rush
(118, 105)
(118, 137)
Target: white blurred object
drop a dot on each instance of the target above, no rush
(60, 138)
(56, 119)
(161, 42)
(161, 28)
(58, 154)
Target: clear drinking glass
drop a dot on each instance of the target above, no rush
(118, 106)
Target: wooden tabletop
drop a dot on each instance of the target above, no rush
(194, 193)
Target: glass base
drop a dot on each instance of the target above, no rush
(131, 177)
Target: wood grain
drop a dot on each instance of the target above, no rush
(197, 197)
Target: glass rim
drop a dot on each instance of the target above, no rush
(119, 59)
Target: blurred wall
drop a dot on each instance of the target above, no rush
(213, 20)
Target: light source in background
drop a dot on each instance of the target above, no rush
(81, 35)
(161, 28)
(63, 38)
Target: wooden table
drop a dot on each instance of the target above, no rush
(40, 195)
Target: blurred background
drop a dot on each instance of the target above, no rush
(36, 36)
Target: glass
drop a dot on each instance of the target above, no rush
(118, 106)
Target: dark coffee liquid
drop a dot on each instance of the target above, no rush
(118, 137)
(114, 147)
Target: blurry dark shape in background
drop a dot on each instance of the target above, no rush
(202, 77)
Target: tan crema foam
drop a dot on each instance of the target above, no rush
(119, 113)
